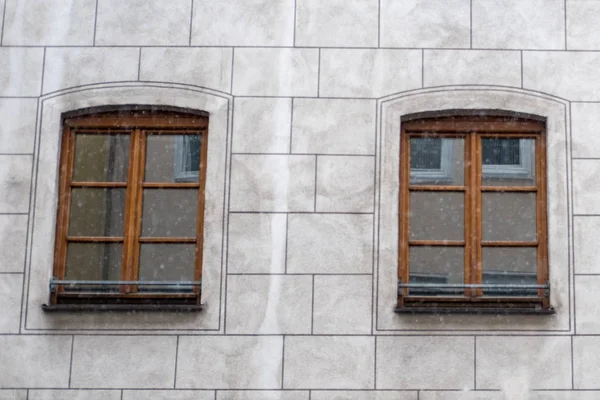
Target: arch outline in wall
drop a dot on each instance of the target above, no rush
(51, 109)
(494, 100)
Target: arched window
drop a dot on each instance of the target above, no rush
(473, 224)
(130, 209)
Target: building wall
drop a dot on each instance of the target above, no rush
(305, 99)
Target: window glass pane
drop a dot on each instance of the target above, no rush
(510, 265)
(437, 216)
(170, 212)
(97, 212)
(94, 261)
(507, 162)
(509, 216)
(436, 161)
(172, 158)
(436, 265)
(167, 262)
(100, 158)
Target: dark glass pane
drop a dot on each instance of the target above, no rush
(437, 216)
(509, 216)
(500, 151)
(97, 212)
(167, 262)
(101, 158)
(507, 162)
(172, 158)
(436, 265)
(170, 212)
(510, 266)
(436, 161)
(94, 261)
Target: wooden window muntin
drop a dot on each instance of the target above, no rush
(138, 124)
(472, 130)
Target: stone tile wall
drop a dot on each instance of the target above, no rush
(298, 268)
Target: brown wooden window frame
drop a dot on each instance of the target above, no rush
(138, 122)
(472, 129)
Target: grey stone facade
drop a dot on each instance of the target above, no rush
(301, 221)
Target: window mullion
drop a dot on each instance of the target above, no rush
(133, 176)
(475, 210)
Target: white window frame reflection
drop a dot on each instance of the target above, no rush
(182, 171)
(437, 175)
(523, 170)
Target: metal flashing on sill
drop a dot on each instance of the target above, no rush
(488, 286)
(77, 283)
(122, 307)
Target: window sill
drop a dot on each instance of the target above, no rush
(122, 307)
(476, 310)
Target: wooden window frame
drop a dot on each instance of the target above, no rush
(472, 129)
(138, 122)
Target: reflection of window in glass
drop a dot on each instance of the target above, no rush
(187, 158)
(473, 236)
(130, 213)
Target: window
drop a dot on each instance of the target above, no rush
(130, 210)
(472, 233)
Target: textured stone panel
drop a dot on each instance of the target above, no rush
(99, 362)
(329, 362)
(586, 362)
(582, 25)
(10, 394)
(21, 71)
(243, 23)
(411, 362)
(336, 23)
(261, 235)
(516, 24)
(268, 304)
(68, 67)
(275, 72)
(345, 184)
(363, 395)
(74, 394)
(587, 308)
(579, 77)
(35, 361)
(47, 23)
(143, 22)
(585, 135)
(262, 395)
(425, 23)
(471, 67)
(333, 126)
(465, 395)
(586, 231)
(169, 394)
(18, 125)
(542, 362)
(15, 183)
(367, 72)
(342, 304)
(206, 67)
(11, 286)
(564, 395)
(586, 186)
(13, 234)
(262, 125)
(272, 183)
(330, 243)
(236, 362)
